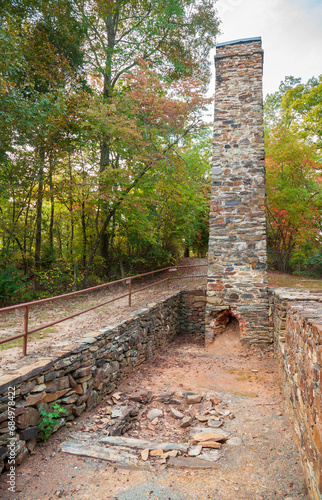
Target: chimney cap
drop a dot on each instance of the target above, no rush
(240, 40)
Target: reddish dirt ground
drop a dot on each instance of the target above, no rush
(259, 461)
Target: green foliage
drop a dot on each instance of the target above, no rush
(293, 167)
(50, 421)
(10, 283)
(313, 264)
(104, 159)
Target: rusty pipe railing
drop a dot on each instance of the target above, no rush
(129, 294)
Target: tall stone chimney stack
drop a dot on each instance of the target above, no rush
(237, 267)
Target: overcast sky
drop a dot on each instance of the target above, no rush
(291, 32)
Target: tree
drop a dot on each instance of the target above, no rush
(38, 80)
(146, 123)
(175, 36)
(294, 194)
(100, 108)
(302, 106)
(293, 124)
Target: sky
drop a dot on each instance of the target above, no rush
(291, 32)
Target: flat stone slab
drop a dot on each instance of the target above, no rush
(209, 436)
(190, 463)
(142, 444)
(211, 456)
(94, 451)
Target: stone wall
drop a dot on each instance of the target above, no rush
(237, 277)
(192, 311)
(79, 376)
(298, 345)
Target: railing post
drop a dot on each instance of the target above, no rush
(130, 287)
(25, 331)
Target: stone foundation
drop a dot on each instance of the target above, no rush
(79, 376)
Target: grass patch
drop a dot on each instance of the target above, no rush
(18, 342)
(246, 394)
(243, 376)
(280, 280)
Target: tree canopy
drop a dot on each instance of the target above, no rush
(104, 157)
(293, 118)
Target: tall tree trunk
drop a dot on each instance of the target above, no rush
(84, 233)
(71, 212)
(39, 218)
(52, 212)
(105, 154)
(25, 235)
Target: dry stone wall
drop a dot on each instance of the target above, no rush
(237, 277)
(78, 377)
(298, 345)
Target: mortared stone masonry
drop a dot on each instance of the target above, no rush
(237, 275)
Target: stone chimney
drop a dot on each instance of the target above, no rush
(237, 257)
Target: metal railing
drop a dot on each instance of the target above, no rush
(129, 294)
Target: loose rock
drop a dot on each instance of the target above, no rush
(209, 436)
(154, 413)
(145, 454)
(176, 413)
(215, 423)
(195, 451)
(193, 398)
(156, 453)
(210, 444)
(186, 421)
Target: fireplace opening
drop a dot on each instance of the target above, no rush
(225, 321)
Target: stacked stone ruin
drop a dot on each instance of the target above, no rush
(237, 275)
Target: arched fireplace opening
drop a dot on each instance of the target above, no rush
(225, 319)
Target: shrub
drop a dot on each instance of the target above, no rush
(50, 421)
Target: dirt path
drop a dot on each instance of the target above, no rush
(258, 462)
(49, 340)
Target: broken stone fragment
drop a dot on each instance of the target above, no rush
(175, 401)
(164, 397)
(176, 413)
(172, 453)
(193, 398)
(211, 455)
(203, 418)
(145, 454)
(86, 450)
(144, 443)
(208, 436)
(186, 421)
(156, 453)
(195, 451)
(154, 413)
(215, 401)
(212, 412)
(215, 423)
(210, 444)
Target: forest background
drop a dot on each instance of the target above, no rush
(105, 156)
